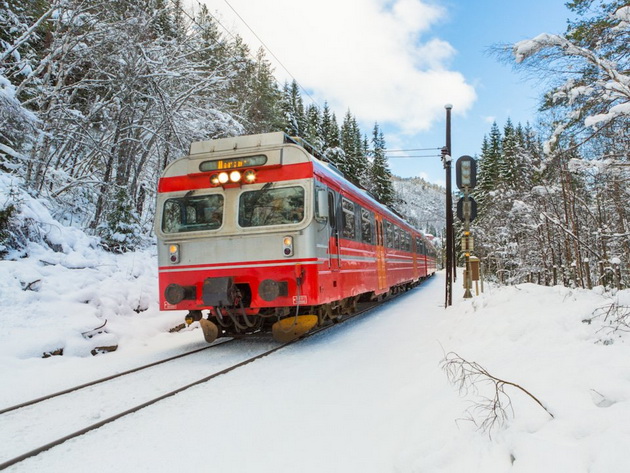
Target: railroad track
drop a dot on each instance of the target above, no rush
(58, 402)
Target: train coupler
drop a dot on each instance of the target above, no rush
(292, 328)
(210, 330)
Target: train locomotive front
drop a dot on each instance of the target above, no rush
(248, 232)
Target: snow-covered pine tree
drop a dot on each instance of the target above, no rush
(314, 133)
(380, 176)
(330, 134)
(263, 112)
(355, 164)
(293, 109)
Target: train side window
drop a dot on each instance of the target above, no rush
(367, 224)
(396, 238)
(191, 214)
(348, 224)
(389, 234)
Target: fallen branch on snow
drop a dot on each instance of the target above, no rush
(467, 376)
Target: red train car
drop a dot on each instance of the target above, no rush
(262, 235)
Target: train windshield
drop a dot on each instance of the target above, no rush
(191, 214)
(281, 206)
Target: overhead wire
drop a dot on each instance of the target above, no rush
(414, 156)
(410, 149)
(193, 20)
(270, 51)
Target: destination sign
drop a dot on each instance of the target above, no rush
(233, 163)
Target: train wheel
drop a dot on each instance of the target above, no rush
(326, 314)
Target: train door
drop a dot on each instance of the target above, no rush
(333, 241)
(423, 252)
(380, 254)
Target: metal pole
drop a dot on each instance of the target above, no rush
(449, 196)
(449, 211)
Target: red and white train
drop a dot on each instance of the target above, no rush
(262, 235)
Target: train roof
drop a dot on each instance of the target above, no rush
(244, 142)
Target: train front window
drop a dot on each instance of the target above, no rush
(192, 214)
(281, 206)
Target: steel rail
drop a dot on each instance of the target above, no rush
(107, 378)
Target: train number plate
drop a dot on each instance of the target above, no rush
(303, 300)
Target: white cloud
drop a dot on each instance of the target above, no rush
(369, 56)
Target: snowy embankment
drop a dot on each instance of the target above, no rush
(368, 396)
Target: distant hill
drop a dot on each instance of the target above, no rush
(421, 203)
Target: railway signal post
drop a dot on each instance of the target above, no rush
(466, 179)
(450, 260)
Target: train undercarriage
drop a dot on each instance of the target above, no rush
(284, 323)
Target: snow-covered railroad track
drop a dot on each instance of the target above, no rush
(43, 424)
(107, 378)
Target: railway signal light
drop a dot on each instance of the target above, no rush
(466, 172)
(466, 209)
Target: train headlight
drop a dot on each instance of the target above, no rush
(287, 246)
(223, 177)
(173, 253)
(249, 176)
(214, 180)
(235, 176)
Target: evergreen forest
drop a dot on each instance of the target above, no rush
(553, 198)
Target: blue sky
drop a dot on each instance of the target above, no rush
(502, 92)
(398, 62)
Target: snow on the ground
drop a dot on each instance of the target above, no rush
(368, 396)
